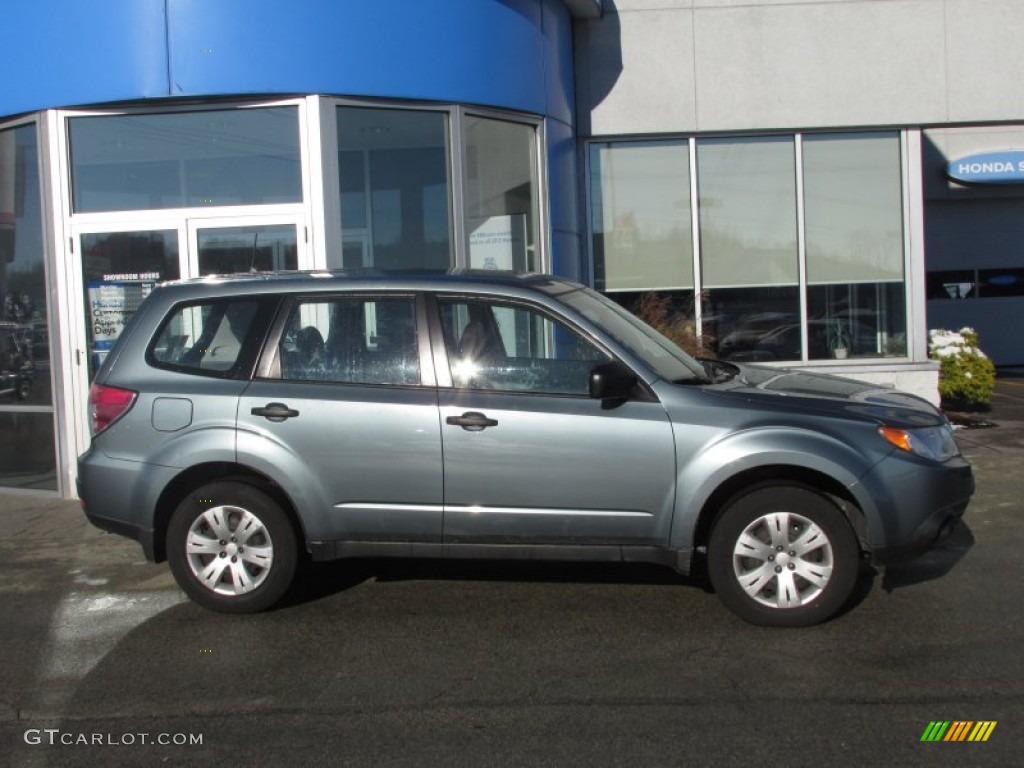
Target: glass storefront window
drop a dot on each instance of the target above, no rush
(501, 194)
(856, 320)
(393, 180)
(185, 159)
(853, 213)
(749, 252)
(747, 200)
(751, 290)
(226, 250)
(753, 324)
(640, 216)
(1001, 282)
(27, 456)
(952, 284)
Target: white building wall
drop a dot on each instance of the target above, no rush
(653, 66)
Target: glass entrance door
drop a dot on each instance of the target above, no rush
(112, 267)
(119, 269)
(246, 244)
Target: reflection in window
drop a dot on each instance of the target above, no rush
(261, 248)
(748, 236)
(853, 211)
(974, 284)
(640, 220)
(1001, 282)
(393, 169)
(184, 159)
(952, 284)
(750, 250)
(501, 194)
(753, 324)
(856, 320)
(27, 457)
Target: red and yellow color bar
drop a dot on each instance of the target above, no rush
(958, 730)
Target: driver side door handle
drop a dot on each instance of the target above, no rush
(472, 421)
(275, 412)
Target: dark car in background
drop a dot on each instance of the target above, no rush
(243, 423)
(17, 369)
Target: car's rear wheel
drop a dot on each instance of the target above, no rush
(783, 556)
(232, 548)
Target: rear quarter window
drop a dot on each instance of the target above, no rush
(215, 337)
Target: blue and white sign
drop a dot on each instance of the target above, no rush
(1003, 167)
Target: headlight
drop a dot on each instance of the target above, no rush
(934, 443)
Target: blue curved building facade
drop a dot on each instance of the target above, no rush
(147, 140)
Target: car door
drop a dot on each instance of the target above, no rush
(529, 457)
(343, 411)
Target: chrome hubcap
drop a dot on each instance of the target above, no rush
(783, 560)
(229, 550)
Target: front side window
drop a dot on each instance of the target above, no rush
(185, 159)
(515, 348)
(351, 341)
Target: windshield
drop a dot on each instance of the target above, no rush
(665, 358)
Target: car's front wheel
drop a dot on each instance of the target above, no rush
(783, 556)
(232, 548)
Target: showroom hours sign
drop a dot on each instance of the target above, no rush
(112, 300)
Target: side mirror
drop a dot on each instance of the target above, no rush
(611, 381)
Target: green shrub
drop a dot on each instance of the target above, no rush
(966, 375)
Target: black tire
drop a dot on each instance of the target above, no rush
(245, 550)
(786, 574)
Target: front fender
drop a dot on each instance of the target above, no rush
(709, 469)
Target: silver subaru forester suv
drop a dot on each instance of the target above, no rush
(244, 423)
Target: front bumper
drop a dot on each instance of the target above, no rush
(924, 507)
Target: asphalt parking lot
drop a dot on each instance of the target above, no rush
(469, 664)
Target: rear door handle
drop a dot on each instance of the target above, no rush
(275, 412)
(471, 421)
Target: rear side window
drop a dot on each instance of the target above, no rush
(206, 337)
(351, 340)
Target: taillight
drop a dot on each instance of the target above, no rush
(107, 405)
